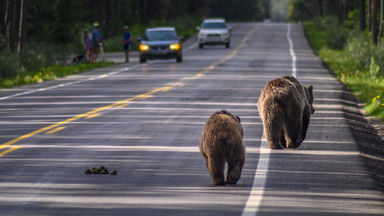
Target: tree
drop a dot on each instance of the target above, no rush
(374, 7)
(362, 15)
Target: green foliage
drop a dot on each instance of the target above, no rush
(245, 10)
(336, 35)
(374, 69)
(279, 10)
(48, 73)
(9, 65)
(358, 65)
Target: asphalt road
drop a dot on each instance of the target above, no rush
(145, 122)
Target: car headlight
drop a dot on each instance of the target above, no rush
(225, 34)
(174, 46)
(202, 35)
(144, 47)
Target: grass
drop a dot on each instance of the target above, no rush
(49, 73)
(355, 65)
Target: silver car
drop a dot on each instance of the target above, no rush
(214, 32)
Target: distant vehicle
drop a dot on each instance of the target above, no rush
(160, 43)
(214, 32)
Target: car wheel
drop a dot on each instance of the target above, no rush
(179, 59)
(201, 46)
(227, 45)
(143, 60)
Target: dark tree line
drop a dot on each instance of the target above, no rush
(61, 21)
(368, 16)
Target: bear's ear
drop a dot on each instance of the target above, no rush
(310, 88)
(238, 118)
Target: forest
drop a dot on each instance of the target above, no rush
(40, 33)
(62, 21)
(348, 36)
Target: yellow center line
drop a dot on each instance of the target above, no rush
(90, 113)
(119, 103)
(237, 49)
(92, 116)
(146, 96)
(122, 105)
(13, 148)
(55, 130)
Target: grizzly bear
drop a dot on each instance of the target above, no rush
(221, 143)
(285, 107)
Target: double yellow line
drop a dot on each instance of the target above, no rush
(59, 126)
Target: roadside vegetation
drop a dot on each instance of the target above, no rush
(353, 54)
(358, 64)
(48, 73)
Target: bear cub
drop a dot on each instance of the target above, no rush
(221, 143)
(285, 107)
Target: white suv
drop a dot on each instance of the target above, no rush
(214, 32)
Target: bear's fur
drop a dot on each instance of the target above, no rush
(221, 143)
(285, 107)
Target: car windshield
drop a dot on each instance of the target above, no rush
(160, 35)
(213, 25)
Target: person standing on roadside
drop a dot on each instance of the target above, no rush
(96, 41)
(127, 43)
(88, 46)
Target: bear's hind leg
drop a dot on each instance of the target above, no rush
(216, 166)
(305, 123)
(292, 130)
(283, 143)
(234, 171)
(273, 131)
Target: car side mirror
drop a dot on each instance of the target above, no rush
(138, 39)
(198, 28)
(229, 28)
(181, 38)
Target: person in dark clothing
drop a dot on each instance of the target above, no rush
(87, 43)
(127, 43)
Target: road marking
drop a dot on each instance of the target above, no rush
(257, 192)
(122, 105)
(146, 96)
(115, 105)
(258, 187)
(291, 51)
(55, 130)
(92, 116)
(241, 45)
(90, 113)
(13, 148)
(71, 83)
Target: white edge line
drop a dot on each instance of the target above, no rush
(254, 200)
(70, 83)
(291, 51)
(256, 195)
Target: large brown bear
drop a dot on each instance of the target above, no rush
(285, 107)
(221, 143)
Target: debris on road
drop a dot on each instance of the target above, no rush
(101, 170)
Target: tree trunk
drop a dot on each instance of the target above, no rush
(20, 25)
(346, 9)
(12, 27)
(362, 14)
(374, 21)
(340, 11)
(321, 7)
(370, 15)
